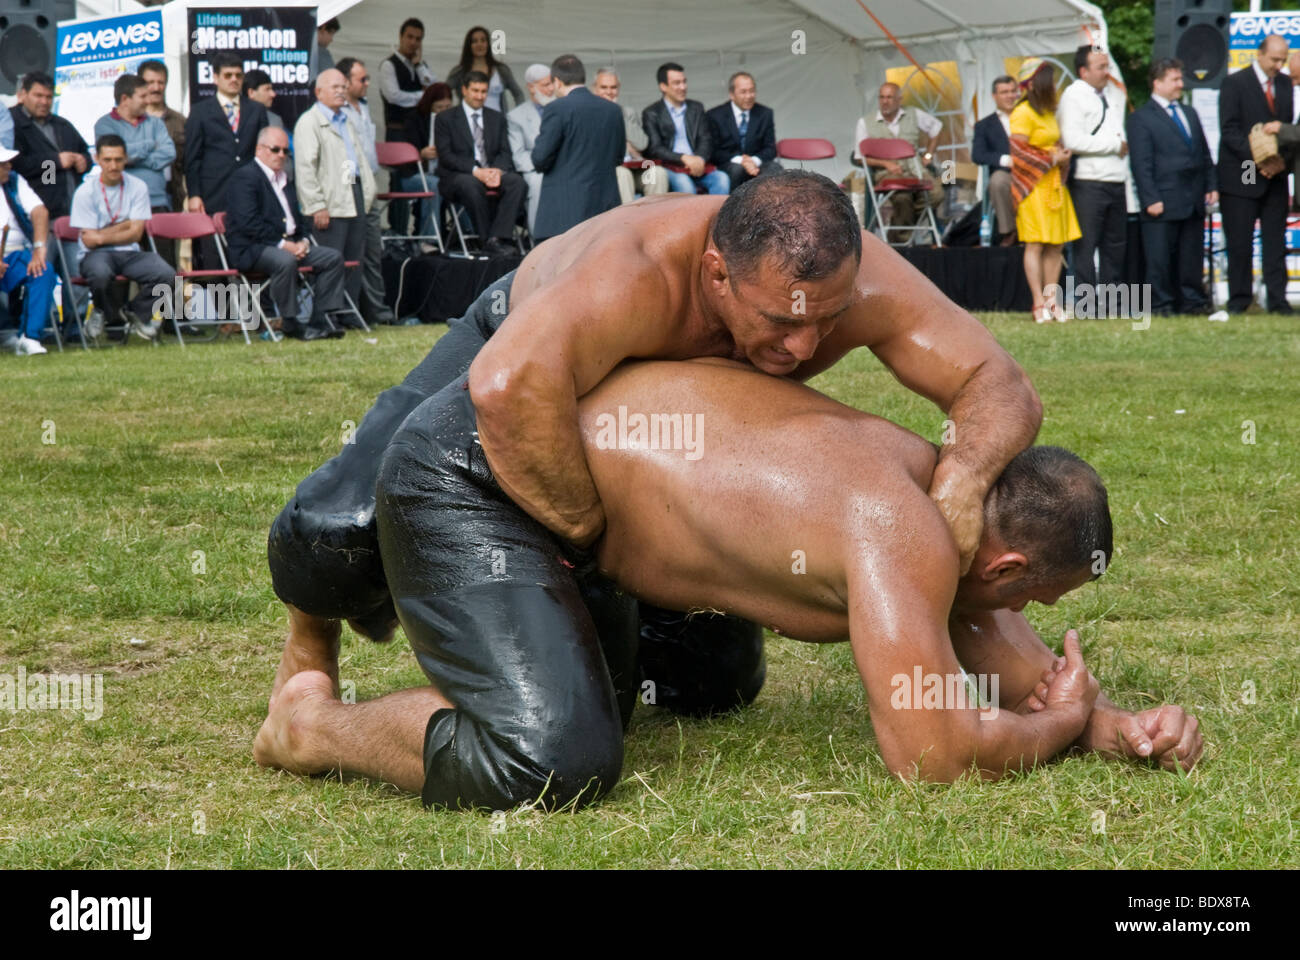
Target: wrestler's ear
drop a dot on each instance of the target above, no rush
(1007, 564)
(715, 268)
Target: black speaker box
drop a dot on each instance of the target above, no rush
(27, 34)
(1195, 32)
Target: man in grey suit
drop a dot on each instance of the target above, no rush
(580, 144)
(523, 124)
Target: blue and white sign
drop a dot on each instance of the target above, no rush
(90, 55)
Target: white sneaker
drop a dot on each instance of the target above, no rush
(145, 331)
(27, 347)
(1219, 316)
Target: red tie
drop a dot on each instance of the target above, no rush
(1268, 92)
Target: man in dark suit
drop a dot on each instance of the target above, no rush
(579, 145)
(744, 133)
(473, 158)
(220, 136)
(991, 149)
(47, 144)
(1258, 94)
(1175, 180)
(266, 233)
(678, 135)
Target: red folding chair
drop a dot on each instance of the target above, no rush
(882, 190)
(805, 148)
(193, 226)
(397, 154)
(65, 232)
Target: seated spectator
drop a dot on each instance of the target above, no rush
(267, 233)
(403, 78)
(678, 134)
(332, 176)
(523, 123)
(154, 75)
(110, 210)
(893, 122)
(473, 158)
(419, 131)
(258, 88)
(476, 54)
(324, 37)
(647, 178)
(991, 149)
(24, 224)
(47, 144)
(149, 150)
(744, 133)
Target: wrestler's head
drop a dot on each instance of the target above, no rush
(1047, 531)
(780, 266)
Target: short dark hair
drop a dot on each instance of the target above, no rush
(254, 79)
(125, 86)
(1081, 55)
(332, 25)
(731, 81)
(661, 75)
(474, 76)
(225, 59)
(1051, 505)
(408, 23)
(156, 66)
(568, 70)
(1162, 66)
(36, 76)
(345, 66)
(1001, 80)
(801, 219)
(109, 140)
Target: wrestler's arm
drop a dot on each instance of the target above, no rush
(898, 610)
(940, 351)
(525, 383)
(1003, 642)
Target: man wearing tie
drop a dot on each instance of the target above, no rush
(1259, 94)
(1175, 180)
(744, 133)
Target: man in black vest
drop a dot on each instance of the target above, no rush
(744, 133)
(403, 78)
(1259, 94)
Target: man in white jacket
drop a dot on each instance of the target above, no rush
(1091, 117)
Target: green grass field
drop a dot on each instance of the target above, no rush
(133, 545)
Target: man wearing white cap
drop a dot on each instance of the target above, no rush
(524, 122)
(24, 224)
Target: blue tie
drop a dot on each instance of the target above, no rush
(744, 125)
(1181, 128)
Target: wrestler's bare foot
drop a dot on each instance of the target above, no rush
(313, 644)
(286, 740)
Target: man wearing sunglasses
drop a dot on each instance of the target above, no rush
(266, 233)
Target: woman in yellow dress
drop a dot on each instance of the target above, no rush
(1045, 217)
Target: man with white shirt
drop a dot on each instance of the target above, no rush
(110, 211)
(1091, 117)
(991, 149)
(744, 132)
(523, 124)
(403, 78)
(24, 226)
(648, 179)
(267, 233)
(893, 122)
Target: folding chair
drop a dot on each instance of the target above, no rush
(805, 148)
(398, 154)
(65, 232)
(192, 226)
(880, 193)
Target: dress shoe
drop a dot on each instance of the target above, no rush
(309, 332)
(348, 321)
(498, 247)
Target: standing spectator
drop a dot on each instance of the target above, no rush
(266, 232)
(110, 210)
(372, 305)
(324, 37)
(332, 176)
(154, 75)
(149, 150)
(403, 78)
(419, 130)
(647, 178)
(894, 122)
(523, 123)
(580, 144)
(678, 134)
(258, 88)
(1176, 181)
(24, 224)
(1261, 94)
(991, 149)
(1045, 216)
(47, 143)
(744, 132)
(476, 54)
(473, 158)
(1091, 117)
(220, 136)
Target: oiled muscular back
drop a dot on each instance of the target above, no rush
(756, 478)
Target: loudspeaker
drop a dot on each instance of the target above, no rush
(1196, 32)
(27, 36)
